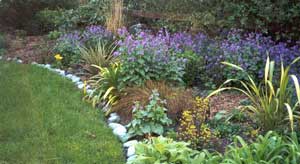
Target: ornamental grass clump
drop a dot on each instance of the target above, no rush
(271, 104)
(107, 86)
(100, 55)
(68, 44)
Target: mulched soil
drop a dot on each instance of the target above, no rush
(225, 101)
(28, 48)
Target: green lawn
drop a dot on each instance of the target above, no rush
(43, 120)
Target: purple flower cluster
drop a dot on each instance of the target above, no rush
(247, 50)
(67, 44)
(96, 33)
(251, 50)
(72, 38)
(144, 44)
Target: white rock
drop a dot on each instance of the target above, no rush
(62, 72)
(79, 82)
(113, 118)
(120, 131)
(8, 59)
(131, 158)
(48, 66)
(80, 86)
(89, 91)
(34, 63)
(19, 61)
(1, 57)
(70, 76)
(130, 143)
(130, 151)
(75, 79)
(115, 125)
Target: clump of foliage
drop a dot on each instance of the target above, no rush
(148, 57)
(163, 150)
(230, 124)
(68, 44)
(107, 85)
(150, 119)
(270, 148)
(192, 127)
(100, 55)
(2, 44)
(279, 19)
(250, 50)
(178, 99)
(271, 104)
(27, 14)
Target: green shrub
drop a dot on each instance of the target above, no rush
(21, 14)
(270, 148)
(48, 20)
(53, 35)
(100, 55)
(107, 85)
(277, 18)
(91, 13)
(163, 150)
(271, 105)
(2, 44)
(150, 119)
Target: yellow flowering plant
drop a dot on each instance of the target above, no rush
(192, 127)
(58, 59)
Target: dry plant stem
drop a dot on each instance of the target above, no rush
(115, 16)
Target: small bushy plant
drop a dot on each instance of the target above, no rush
(106, 84)
(162, 150)
(271, 104)
(148, 57)
(68, 44)
(270, 148)
(192, 127)
(100, 55)
(150, 119)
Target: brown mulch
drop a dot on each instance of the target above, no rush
(28, 48)
(225, 101)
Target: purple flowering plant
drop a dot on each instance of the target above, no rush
(145, 56)
(68, 44)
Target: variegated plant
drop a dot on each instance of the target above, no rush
(271, 104)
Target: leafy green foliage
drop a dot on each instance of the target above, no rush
(24, 14)
(107, 85)
(91, 13)
(162, 150)
(150, 119)
(2, 44)
(194, 67)
(100, 55)
(271, 148)
(277, 18)
(271, 105)
(53, 35)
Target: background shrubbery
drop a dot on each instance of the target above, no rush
(277, 18)
(21, 14)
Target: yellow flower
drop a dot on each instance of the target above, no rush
(58, 57)
(254, 132)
